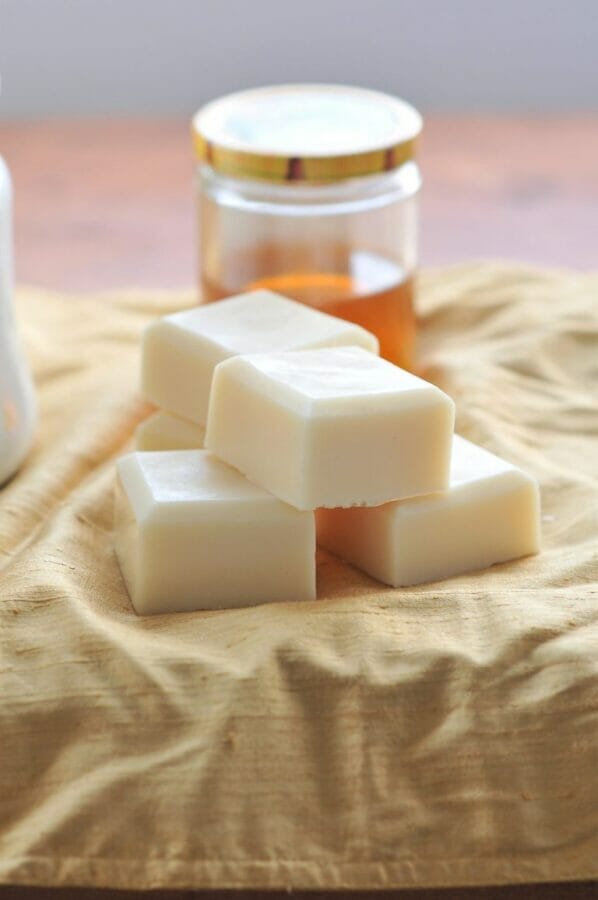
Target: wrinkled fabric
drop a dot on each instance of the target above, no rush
(440, 735)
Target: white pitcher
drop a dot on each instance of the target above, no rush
(17, 400)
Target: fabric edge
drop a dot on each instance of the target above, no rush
(294, 875)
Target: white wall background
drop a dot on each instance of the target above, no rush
(166, 57)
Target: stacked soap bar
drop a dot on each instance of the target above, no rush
(490, 513)
(332, 429)
(193, 533)
(181, 351)
(165, 431)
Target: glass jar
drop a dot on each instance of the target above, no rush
(311, 191)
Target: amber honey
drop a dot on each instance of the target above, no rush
(372, 292)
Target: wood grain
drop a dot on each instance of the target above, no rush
(110, 204)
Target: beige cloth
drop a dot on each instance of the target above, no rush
(440, 735)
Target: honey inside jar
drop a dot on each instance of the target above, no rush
(371, 291)
(311, 191)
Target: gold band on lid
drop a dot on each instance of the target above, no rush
(305, 133)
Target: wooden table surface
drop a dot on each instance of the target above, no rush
(111, 204)
(102, 205)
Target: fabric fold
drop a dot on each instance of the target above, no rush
(433, 736)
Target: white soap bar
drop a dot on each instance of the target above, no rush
(180, 351)
(165, 431)
(192, 533)
(330, 427)
(490, 514)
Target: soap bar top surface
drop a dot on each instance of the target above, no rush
(470, 463)
(342, 378)
(185, 477)
(262, 321)
(180, 351)
(336, 426)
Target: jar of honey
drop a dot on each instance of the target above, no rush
(311, 191)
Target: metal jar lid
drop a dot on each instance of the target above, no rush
(306, 133)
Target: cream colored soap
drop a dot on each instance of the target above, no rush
(165, 431)
(489, 514)
(330, 427)
(180, 351)
(192, 533)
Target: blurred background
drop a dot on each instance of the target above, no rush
(166, 57)
(509, 91)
